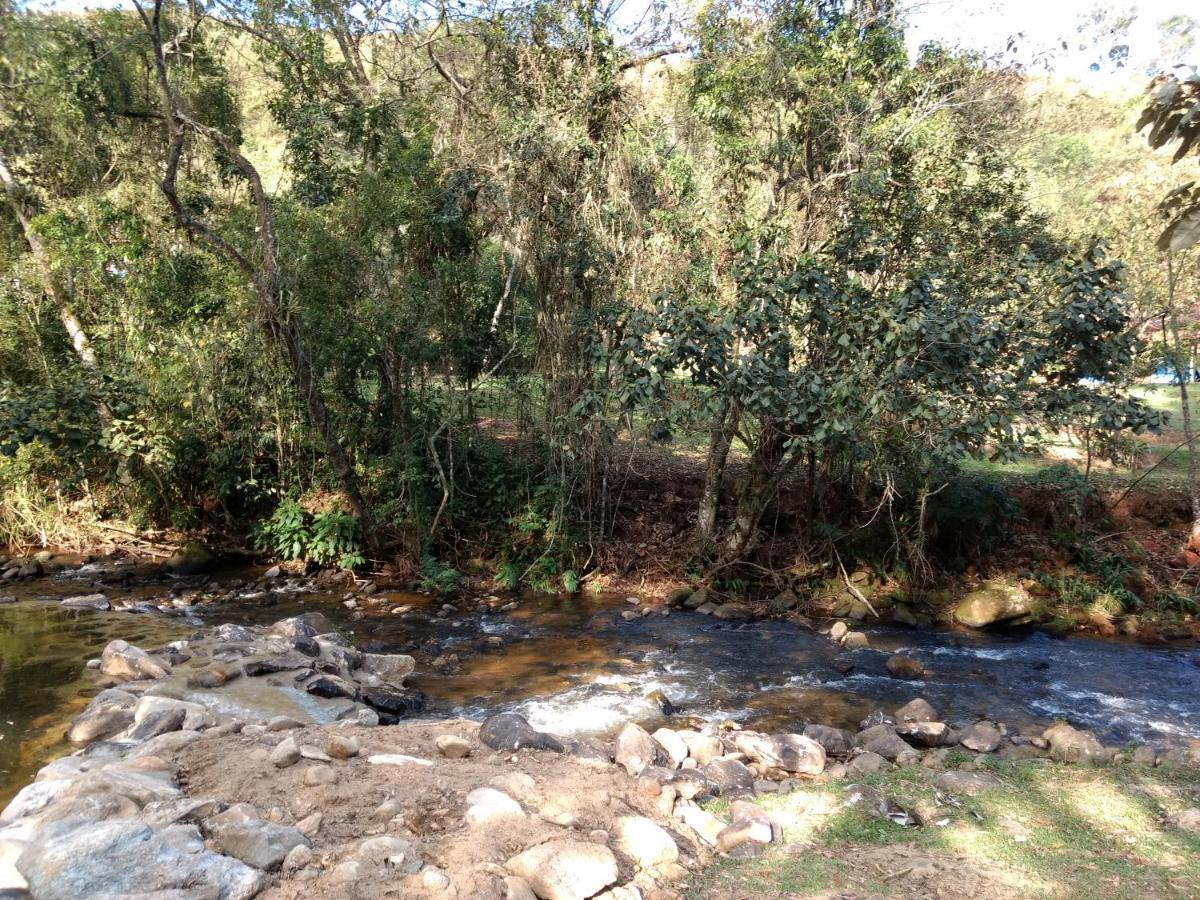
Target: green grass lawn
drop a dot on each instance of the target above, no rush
(1050, 830)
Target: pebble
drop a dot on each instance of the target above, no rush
(342, 746)
(286, 753)
(315, 776)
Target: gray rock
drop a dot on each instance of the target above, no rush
(286, 753)
(924, 734)
(882, 739)
(866, 763)
(982, 737)
(87, 601)
(98, 722)
(33, 798)
(917, 710)
(634, 749)
(566, 869)
(869, 799)
(124, 858)
(1069, 744)
(509, 731)
(799, 755)
(959, 781)
(836, 741)
(126, 662)
(997, 600)
(263, 845)
(855, 640)
(160, 721)
(728, 776)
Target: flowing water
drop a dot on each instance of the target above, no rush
(575, 666)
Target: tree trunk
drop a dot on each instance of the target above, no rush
(281, 328)
(1193, 468)
(66, 315)
(770, 464)
(719, 441)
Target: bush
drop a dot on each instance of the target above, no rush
(327, 538)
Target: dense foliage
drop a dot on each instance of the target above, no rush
(400, 278)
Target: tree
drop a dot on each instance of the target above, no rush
(263, 272)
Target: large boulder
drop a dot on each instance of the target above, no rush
(635, 749)
(644, 841)
(390, 667)
(189, 559)
(126, 662)
(124, 858)
(1069, 744)
(509, 731)
(566, 869)
(882, 739)
(996, 601)
(835, 741)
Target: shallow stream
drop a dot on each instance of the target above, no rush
(574, 665)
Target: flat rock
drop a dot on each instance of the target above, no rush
(125, 662)
(87, 601)
(263, 845)
(982, 737)
(125, 858)
(959, 781)
(566, 869)
(509, 731)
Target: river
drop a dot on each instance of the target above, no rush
(574, 665)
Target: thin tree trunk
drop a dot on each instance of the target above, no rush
(1184, 404)
(70, 322)
(770, 464)
(719, 441)
(280, 326)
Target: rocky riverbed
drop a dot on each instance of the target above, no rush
(249, 761)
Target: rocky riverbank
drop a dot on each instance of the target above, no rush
(253, 761)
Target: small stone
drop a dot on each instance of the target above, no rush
(452, 746)
(672, 746)
(283, 723)
(703, 748)
(342, 746)
(314, 776)
(855, 640)
(298, 857)
(434, 879)
(273, 572)
(286, 753)
(982, 737)
(488, 806)
(704, 823)
(866, 763)
(349, 871)
(310, 826)
(838, 631)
